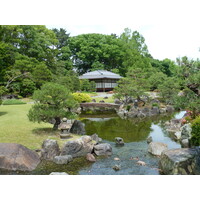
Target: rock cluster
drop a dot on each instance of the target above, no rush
(87, 146)
(142, 112)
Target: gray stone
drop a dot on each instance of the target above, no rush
(50, 149)
(177, 135)
(186, 131)
(146, 111)
(141, 115)
(116, 167)
(90, 157)
(155, 111)
(59, 173)
(62, 159)
(103, 149)
(78, 147)
(17, 157)
(96, 138)
(149, 139)
(156, 148)
(78, 128)
(119, 141)
(185, 143)
(117, 101)
(163, 110)
(178, 161)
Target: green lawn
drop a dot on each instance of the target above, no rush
(16, 128)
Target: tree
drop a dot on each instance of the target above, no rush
(52, 102)
(134, 85)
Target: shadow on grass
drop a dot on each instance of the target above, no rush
(3, 113)
(45, 131)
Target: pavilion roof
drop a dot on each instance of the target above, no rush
(100, 74)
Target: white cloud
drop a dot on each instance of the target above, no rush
(170, 27)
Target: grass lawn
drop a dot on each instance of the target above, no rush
(16, 128)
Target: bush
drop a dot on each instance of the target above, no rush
(195, 140)
(81, 97)
(12, 102)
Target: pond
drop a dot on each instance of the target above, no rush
(133, 131)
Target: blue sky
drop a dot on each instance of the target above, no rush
(170, 27)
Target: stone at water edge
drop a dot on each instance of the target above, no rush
(185, 143)
(186, 131)
(90, 157)
(156, 148)
(119, 141)
(117, 159)
(96, 138)
(17, 157)
(60, 160)
(117, 167)
(78, 147)
(149, 139)
(50, 149)
(178, 161)
(142, 163)
(103, 149)
(78, 128)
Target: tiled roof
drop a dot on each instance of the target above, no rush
(99, 74)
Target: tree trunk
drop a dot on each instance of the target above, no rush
(58, 121)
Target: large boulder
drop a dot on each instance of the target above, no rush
(179, 161)
(156, 148)
(50, 149)
(60, 160)
(78, 147)
(103, 149)
(78, 128)
(17, 157)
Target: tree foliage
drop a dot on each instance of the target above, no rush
(52, 102)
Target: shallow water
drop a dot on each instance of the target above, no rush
(134, 132)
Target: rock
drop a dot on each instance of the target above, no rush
(169, 108)
(146, 111)
(163, 110)
(96, 138)
(78, 147)
(102, 101)
(142, 163)
(103, 149)
(17, 157)
(90, 157)
(117, 159)
(155, 111)
(117, 101)
(119, 141)
(133, 112)
(185, 143)
(50, 149)
(177, 135)
(116, 167)
(59, 173)
(156, 148)
(155, 101)
(178, 161)
(94, 100)
(186, 131)
(60, 160)
(78, 128)
(141, 115)
(149, 139)
(106, 97)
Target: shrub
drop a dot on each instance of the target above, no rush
(81, 97)
(195, 140)
(12, 102)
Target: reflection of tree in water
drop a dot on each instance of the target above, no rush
(131, 130)
(116, 127)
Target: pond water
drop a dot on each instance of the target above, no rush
(134, 132)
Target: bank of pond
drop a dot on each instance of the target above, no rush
(134, 133)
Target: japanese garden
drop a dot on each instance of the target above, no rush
(95, 104)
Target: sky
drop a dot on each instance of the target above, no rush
(170, 27)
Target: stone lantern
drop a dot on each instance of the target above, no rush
(65, 127)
